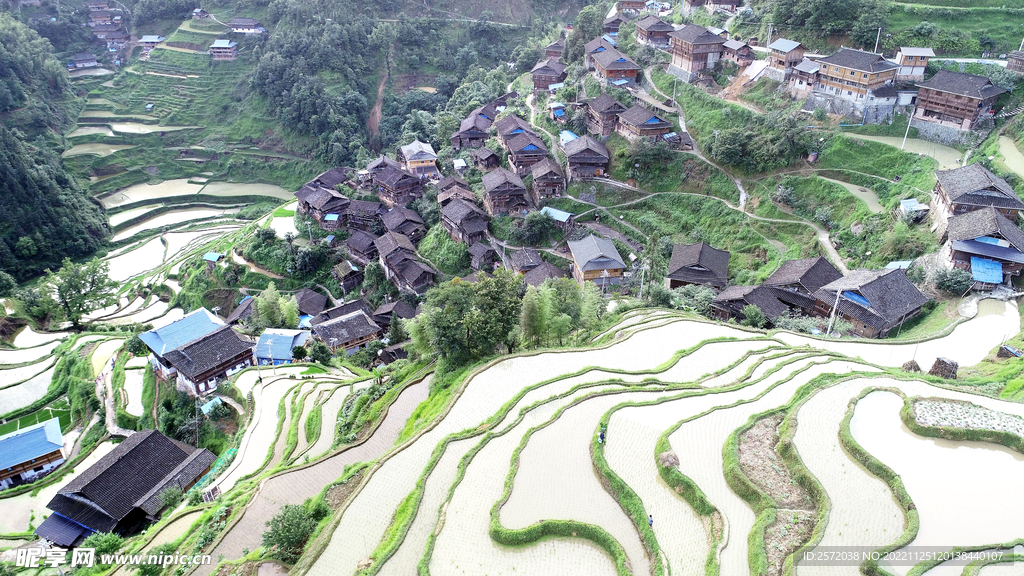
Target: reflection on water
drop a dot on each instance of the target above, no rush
(967, 493)
(947, 157)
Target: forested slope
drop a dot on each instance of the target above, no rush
(45, 215)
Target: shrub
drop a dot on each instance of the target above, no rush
(320, 353)
(104, 543)
(956, 281)
(288, 532)
(299, 353)
(753, 316)
(171, 497)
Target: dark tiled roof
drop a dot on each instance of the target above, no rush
(858, 60)
(545, 167)
(699, 264)
(456, 192)
(347, 328)
(241, 312)
(474, 122)
(639, 116)
(360, 241)
(519, 142)
(398, 216)
(123, 479)
(551, 66)
(364, 208)
(545, 270)
(480, 250)
(310, 302)
(605, 103)
(381, 163)
(595, 253)
(511, 122)
(969, 85)
(332, 177)
(890, 296)
(483, 153)
(465, 214)
(450, 181)
(617, 17)
(615, 60)
(500, 176)
(60, 530)
(399, 308)
(811, 273)
(392, 241)
(598, 43)
(342, 309)
(184, 475)
(985, 222)
(694, 34)
(556, 44)
(391, 176)
(526, 259)
(243, 22)
(585, 143)
(652, 23)
(320, 198)
(411, 270)
(975, 184)
(208, 352)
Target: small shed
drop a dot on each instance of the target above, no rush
(563, 219)
(211, 259)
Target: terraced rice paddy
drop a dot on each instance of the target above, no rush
(138, 261)
(172, 217)
(95, 149)
(133, 388)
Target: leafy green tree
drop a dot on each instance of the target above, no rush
(559, 327)
(156, 569)
(299, 353)
(753, 316)
(290, 313)
(104, 543)
(592, 306)
(171, 497)
(7, 284)
(955, 282)
(78, 289)
(288, 531)
(396, 331)
(531, 320)
(320, 353)
(268, 306)
(536, 228)
(693, 297)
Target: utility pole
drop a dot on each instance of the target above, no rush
(1021, 44)
(909, 120)
(835, 312)
(769, 34)
(877, 38)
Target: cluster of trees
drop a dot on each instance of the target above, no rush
(272, 310)
(46, 214)
(288, 531)
(149, 11)
(285, 256)
(463, 322)
(821, 18)
(71, 292)
(760, 143)
(179, 418)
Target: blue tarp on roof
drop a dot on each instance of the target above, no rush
(987, 271)
(530, 147)
(556, 86)
(210, 405)
(620, 82)
(304, 321)
(566, 136)
(899, 264)
(559, 112)
(990, 240)
(989, 250)
(558, 215)
(212, 256)
(331, 217)
(517, 131)
(330, 238)
(857, 298)
(31, 442)
(610, 40)
(653, 120)
(194, 325)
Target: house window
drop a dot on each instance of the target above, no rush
(865, 75)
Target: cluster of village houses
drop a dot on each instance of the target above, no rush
(107, 25)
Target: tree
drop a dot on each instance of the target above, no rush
(396, 331)
(288, 531)
(535, 228)
(7, 284)
(592, 307)
(320, 353)
(955, 282)
(78, 289)
(531, 320)
(104, 543)
(171, 497)
(299, 353)
(290, 313)
(753, 317)
(268, 306)
(559, 327)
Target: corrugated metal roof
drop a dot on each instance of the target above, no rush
(987, 271)
(31, 442)
(784, 45)
(194, 325)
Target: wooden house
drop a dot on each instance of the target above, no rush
(565, 221)
(631, 5)
(956, 99)
(614, 22)
(596, 260)
(739, 52)
(546, 270)
(873, 301)
(446, 196)
(525, 259)
(986, 244)
(246, 26)
(854, 75)
(615, 68)
(548, 180)
(912, 62)
(319, 203)
(772, 301)
(595, 47)
(639, 122)
(402, 266)
(806, 275)
(555, 49)
(419, 159)
(485, 159)
(603, 114)
(711, 6)
(387, 312)
(99, 17)
(464, 221)
(472, 132)
(397, 187)
(783, 55)
(348, 332)
(31, 452)
(405, 221)
(200, 364)
(694, 49)
(360, 247)
(547, 72)
(122, 491)
(364, 215)
(83, 60)
(698, 264)
(1015, 61)
(525, 150)
(587, 158)
(653, 31)
(481, 256)
(222, 49)
(348, 275)
(971, 188)
(504, 193)
(147, 42)
(803, 78)
(511, 126)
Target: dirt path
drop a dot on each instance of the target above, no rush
(533, 114)
(373, 120)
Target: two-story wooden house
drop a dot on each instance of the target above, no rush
(639, 122)
(397, 187)
(653, 31)
(504, 193)
(547, 72)
(699, 264)
(511, 126)
(986, 244)
(854, 76)
(615, 68)
(783, 56)
(694, 49)
(1015, 61)
(361, 248)
(30, 453)
(405, 221)
(223, 49)
(525, 150)
(595, 47)
(246, 26)
(318, 202)
(595, 259)
(548, 180)
(472, 132)
(402, 266)
(970, 188)
(614, 22)
(873, 301)
(587, 158)
(464, 221)
(739, 52)
(603, 114)
(485, 159)
(555, 49)
(956, 99)
(419, 159)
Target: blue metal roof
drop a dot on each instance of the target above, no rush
(330, 238)
(559, 112)
(212, 256)
(899, 264)
(210, 405)
(331, 217)
(31, 442)
(530, 147)
(304, 321)
(277, 344)
(558, 215)
(987, 271)
(992, 241)
(856, 298)
(194, 325)
(620, 82)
